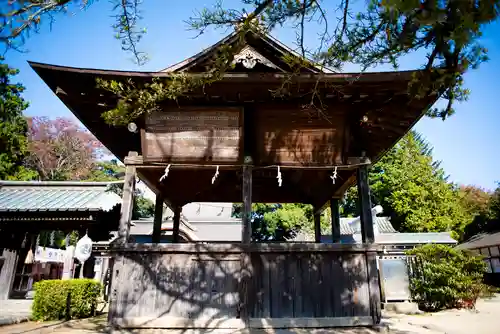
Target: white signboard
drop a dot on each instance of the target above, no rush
(396, 283)
(46, 254)
(83, 249)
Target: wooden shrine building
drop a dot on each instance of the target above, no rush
(28, 208)
(236, 141)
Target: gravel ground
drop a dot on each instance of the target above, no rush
(484, 320)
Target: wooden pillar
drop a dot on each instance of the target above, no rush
(374, 286)
(127, 202)
(8, 263)
(364, 201)
(158, 219)
(177, 223)
(334, 208)
(317, 226)
(246, 233)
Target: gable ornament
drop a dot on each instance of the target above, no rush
(248, 57)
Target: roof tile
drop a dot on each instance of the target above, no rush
(56, 196)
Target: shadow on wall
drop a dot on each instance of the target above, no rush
(214, 286)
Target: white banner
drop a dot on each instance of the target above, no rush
(46, 254)
(68, 263)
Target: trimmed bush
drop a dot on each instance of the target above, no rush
(65, 299)
(442, 277)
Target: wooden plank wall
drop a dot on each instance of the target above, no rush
(292, 136)
(199, 286)
(309, 285)
(194, 288)
(194, 134)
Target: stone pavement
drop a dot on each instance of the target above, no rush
(13, 311)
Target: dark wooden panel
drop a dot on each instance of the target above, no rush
(193, 135)
(229, 285)
(291, 136)
(310, 285)
(183, 289)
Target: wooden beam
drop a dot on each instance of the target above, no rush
(364, 201)
(127, 202)
(246, 233)
(317, 226)
(334, 207)
(158, 219)
(236, 248)
(177, 223)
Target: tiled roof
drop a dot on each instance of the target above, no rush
(400, 238)
(482, 240)
(382, 223)
(17, 196)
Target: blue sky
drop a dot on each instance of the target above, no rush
(467, 143)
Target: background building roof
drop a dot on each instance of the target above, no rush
(415, 238)
(33, 196)
(481, 240)
(383, 224)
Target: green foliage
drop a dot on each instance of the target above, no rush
(475, 200)
(280, 222)
(443, 277)
(487, 220)
(13, 127)
(494, 204)
(143, 207)
(136, 99)
(106, 171)
(413, 190)
(51, 299)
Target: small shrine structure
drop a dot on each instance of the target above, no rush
(236, 141)
(29, 207)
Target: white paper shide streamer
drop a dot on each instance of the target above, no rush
(280, 180)
(165, 173)
(334, 175)
(215, 175)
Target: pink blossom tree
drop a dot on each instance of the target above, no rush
(60, 149)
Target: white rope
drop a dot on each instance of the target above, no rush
(351, 166)
(165, 174)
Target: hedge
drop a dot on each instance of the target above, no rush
(65, 299)
(442, 277)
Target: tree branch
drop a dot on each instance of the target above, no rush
(27, 16)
